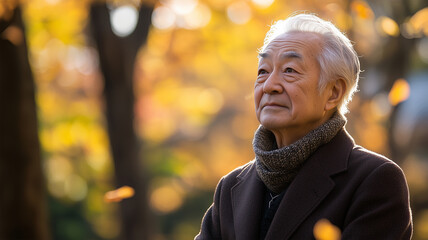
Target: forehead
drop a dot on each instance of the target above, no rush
(296, 44)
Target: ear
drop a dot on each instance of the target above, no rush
(336, 91)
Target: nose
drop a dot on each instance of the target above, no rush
(272, 84)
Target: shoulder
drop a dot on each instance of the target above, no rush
(367, 159)
(358, 158)
(379, 194)
(370, 166)
(363, 153)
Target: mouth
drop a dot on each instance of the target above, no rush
(273, 105)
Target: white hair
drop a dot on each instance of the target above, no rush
(337, 59)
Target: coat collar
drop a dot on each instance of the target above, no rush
(247, 203)
(311, 185)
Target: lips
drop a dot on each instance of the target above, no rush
(273, 105)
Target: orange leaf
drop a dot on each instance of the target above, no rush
(325, 230)
(119, 194)
(400, 91)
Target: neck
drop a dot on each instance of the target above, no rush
(278, 166)
(288, 136)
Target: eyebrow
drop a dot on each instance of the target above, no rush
(291, 54)
(263, 55)
(286, 55)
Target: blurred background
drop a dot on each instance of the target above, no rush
(118, 118)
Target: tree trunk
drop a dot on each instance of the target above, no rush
(396, 59)
(22, 198)
(117, 56)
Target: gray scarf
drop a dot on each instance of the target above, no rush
(278, 167)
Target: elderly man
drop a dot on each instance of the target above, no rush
(307, 167)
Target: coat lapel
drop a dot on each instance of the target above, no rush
(311, 186)
(247, 204)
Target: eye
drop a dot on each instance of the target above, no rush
(262, 71)
(289, 70)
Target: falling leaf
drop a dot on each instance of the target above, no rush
(14, 34)
(119, 194)
(400, 91)
(325, 230)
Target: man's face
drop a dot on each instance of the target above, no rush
(287, 98)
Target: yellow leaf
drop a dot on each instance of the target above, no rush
(400, 92)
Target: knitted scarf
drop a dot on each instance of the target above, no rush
(277, 167)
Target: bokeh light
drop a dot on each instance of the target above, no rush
(419, 22)
(263, 3)
(422, 225)
(75, 187)
(194, 114)
(163, 17)
(182, 7)
(388, 26)
(239, 12)
(192, 15)
(199, 17)
(123, 20)
(381, 105)
(166, 198)
(422, 48)
(362, 9)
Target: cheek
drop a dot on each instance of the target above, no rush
(309, 100)
(297, 94)
(258, 93)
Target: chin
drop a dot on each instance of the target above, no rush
(273, 124)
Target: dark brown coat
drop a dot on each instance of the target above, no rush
(363, 193)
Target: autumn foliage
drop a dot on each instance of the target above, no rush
(193, 112)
